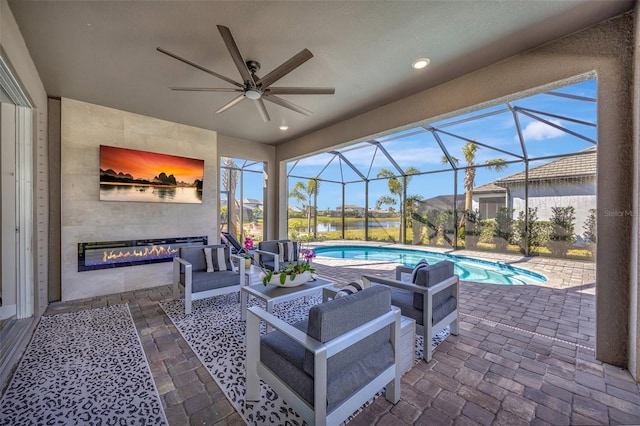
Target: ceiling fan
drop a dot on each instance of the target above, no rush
(253, 87)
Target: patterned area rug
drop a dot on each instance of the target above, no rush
(83, 368)
(217, 336)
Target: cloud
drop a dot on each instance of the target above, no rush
(537, 131)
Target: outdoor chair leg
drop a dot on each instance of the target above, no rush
(454, 327)
(253, 350)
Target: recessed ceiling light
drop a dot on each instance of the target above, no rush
(420, 63)
(284, 127)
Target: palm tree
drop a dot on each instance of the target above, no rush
(469, 151)
(396, 188)
(302, 193)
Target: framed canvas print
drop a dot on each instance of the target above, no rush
(132, 175)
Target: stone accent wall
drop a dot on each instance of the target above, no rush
(84, 127)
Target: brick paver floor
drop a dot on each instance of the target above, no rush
(524, 356)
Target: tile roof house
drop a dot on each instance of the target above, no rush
(568, 181)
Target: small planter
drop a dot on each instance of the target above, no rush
(298, 280)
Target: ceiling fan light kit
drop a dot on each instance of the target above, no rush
(253, 87)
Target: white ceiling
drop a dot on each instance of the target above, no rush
(104, 52)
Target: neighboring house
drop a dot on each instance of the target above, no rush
(441, 202)
(488, 198)
(250, 204)
(350, 210)
(568, 181)
(295, 210)
(247, 208)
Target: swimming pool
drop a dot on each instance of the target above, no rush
(468, 269)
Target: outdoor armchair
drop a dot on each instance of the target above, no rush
(271, 253)
(329, 366)
(206, 273)
(432, 301)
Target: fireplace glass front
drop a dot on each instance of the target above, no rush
(116, 254)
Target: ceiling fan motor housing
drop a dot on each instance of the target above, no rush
(253, 66)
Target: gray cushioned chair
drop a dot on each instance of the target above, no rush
(432, 301)
(268, 253)
(190, 271)
(326, 367)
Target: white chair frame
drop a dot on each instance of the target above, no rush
(189, 296)
(429, 329)
(317, 414)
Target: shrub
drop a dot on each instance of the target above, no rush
(488, 229)
(538, 232)
(563, 223)
(563, 220)
(590, 227)
(504, 227)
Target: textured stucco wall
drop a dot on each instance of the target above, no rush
(240, 148)
(634, 296)
(605, 50)
(582, 196)
(85, 218)
(15, 52)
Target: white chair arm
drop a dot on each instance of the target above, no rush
(400, 269)
(258, 252)
(449, 282)
(180, 261)
(240, 268)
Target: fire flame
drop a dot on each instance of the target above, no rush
(153, 251)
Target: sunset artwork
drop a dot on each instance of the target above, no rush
(132, 175)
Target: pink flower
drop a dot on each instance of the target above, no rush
(248, 243)
(307, 254)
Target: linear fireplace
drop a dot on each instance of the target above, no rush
(116, 254)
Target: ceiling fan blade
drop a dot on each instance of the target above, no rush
(230, 104)
(205, 89)
(262, 110)
(284, 69)
(279, 101)
(301, 90)
(232, 47)
(200, 67)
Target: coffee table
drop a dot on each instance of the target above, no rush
(271, 295)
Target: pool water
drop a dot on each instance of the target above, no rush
(468, 269)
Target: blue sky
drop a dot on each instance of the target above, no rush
(419, 149)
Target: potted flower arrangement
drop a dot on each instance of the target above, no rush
(292, 274)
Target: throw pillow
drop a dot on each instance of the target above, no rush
(287, 251)
(208, 259)
(351, 288)
(421, 264)
(217, 260)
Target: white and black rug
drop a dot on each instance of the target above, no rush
(217, 336)
(83, 368)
